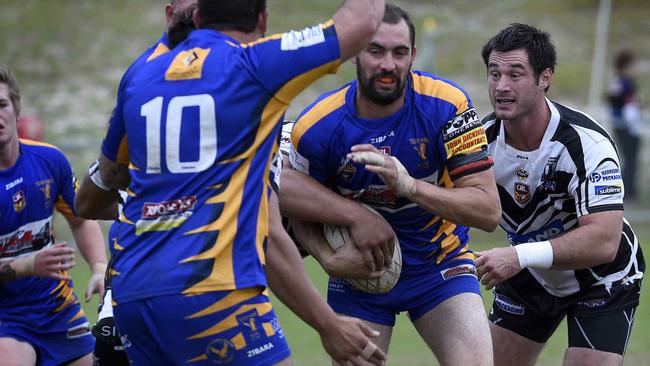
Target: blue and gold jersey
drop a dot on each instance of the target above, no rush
(436, 135)
(198, 126)
(39, 182)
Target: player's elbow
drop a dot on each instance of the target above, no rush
(609, 250)
(491, 217)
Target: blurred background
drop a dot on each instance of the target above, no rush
(69, 56)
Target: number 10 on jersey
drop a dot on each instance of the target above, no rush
(152, 112)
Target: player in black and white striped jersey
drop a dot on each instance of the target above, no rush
(572, 252)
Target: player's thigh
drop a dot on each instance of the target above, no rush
(587, 357)
(382, 340)
(599, 339)
(457, 331)
(16, 353)
(510, 348)
(86, 360)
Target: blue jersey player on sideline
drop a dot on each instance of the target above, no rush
(410, 145)
(41, 321)
(192, 137)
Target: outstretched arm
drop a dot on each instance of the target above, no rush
(595, 241)
(343, 338)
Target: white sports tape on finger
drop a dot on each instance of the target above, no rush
(535, 255)
(369, 350)
(369, 157)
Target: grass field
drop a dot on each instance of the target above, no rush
(406, 347)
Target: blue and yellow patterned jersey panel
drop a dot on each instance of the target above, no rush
(438, 137)
(198, 126)
(40, 181)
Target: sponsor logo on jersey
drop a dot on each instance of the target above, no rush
(608, 190)
(605, 175)
(522, 192)
(19, 201)
(460, 270)
(592, 304)
(220, 351)
(16, 182)
(549, 231)
(258, 350)
(294, 40)
(466, 143)
(166, 215)
(508, 305)
(386, 150)
(275, 324)
(187, 65)
(461, 124)
(27, 238)
(380, 139)
(78, 331)
(379, 196)
(249, 323)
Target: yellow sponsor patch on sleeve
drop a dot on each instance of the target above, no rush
(467, 142)
(187, 65)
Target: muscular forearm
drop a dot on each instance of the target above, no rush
(471, 206)
(587, 246)
(303, 198)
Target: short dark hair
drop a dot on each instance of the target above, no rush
(240, 15)
(537, 44)
(393, 14)
(623, 59)
(9, 78)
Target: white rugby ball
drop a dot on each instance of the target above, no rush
(338, 236)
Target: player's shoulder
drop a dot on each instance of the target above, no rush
(492, 126)
(579, 125)
(432, 88)
(38, 147)
(323, 112)
(42, 152)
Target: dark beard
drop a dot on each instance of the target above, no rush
(368, 90)
(183, 25)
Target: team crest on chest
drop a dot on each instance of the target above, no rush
(46, 187)
(19, 201)
(420, 147)
(346, 170)
(522, 190)
(549, 176)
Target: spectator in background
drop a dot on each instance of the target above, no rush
(626, 118)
